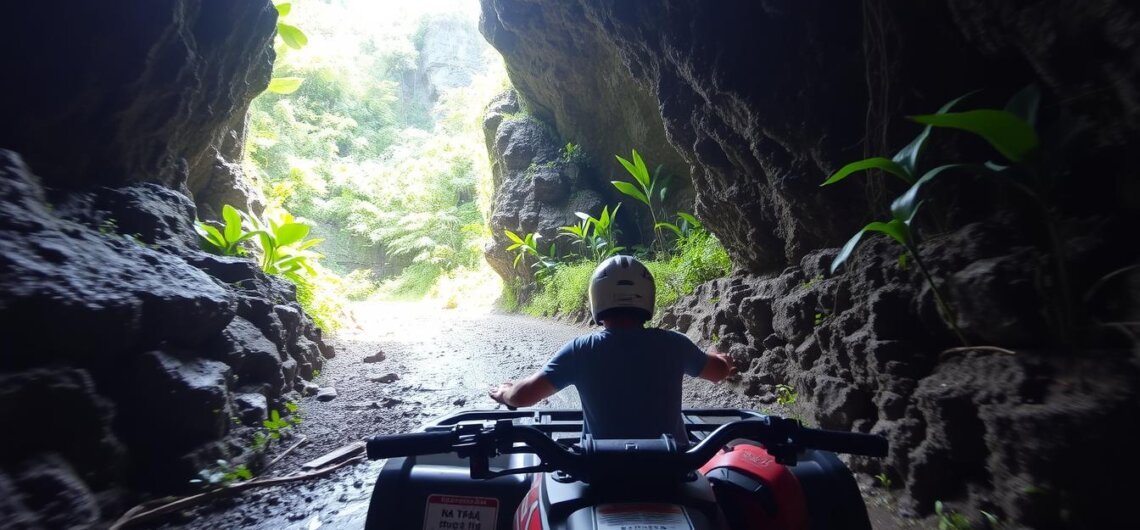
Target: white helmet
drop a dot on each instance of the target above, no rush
(621, 281)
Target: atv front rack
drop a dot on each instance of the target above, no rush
(698, 422)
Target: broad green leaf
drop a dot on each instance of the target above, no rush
(689, 218)
(290, 233)
(517, 258)
(672, 227)
(211, 234)
(513, 236)
(1010, 135)
(642, 171)
(905, 206)
(878, 162)
(233, 223)
(310, 243)
(292, 35)
(284, 85)
(631, 190)
(283, 9)
(629, 167)
(514, 246)
(895, 228)
(247, 235)
(1024, 104)
(583, 216)
(907, 157)
(847, 249)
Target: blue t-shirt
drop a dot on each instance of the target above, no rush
(629, 380)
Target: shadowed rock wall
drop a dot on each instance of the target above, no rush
(107, 94)
(765, 99)
(129, 359)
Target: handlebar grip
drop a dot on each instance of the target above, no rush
(844, 442)
(411, 444)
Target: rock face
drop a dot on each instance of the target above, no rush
(164, 102)
(124, 346)
(536, 189)
(570, 78)
(763, 100)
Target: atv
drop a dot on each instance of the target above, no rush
(533, 470)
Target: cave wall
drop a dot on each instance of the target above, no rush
(763, 100)
(569, 77)
(90, 104)
(130, 360)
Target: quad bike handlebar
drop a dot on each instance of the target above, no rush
(783, 438)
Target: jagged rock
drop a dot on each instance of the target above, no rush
(327, 393)
(535, 189)
(251, 356)
(386, 378)
(49, 486)
(570, 78)
(13, 512)
(160, 102)
(175, 404)
(36, 400)
(114, 293)
(307, 388)
(252, 408)
(376, 357)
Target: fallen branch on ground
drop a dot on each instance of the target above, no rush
(144, 511)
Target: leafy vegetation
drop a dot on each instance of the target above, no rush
(596, 237)
(393, 176)
(689, 257)
(649, 189)
(228, 240)
(1011, 133)
(222, 473)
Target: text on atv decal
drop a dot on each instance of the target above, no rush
(452, 512)
(641, 516)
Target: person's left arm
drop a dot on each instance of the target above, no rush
(524, 392)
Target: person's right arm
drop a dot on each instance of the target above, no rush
(718, 366)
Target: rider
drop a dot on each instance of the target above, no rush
(628, 376)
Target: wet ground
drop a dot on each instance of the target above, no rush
(445, 360)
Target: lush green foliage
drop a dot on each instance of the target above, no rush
(284, 249)
(227, 241)
(1012, 135)
(366, 154)
(595, 237)
(649, 189)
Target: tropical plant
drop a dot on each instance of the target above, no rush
(649, 189)
(596, 236)
(276, 426)
(284, 250)
(1011, 132)
(545, 263)
(222, 474)
(293, 37)
(949, 519)
(786, 395)
(686, 225)
(227, 241)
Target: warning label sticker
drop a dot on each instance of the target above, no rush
(452, 512)
(642, 516)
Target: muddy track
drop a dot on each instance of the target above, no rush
(445, 361)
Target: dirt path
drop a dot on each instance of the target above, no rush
(445, 361)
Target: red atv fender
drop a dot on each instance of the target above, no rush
(755, 491)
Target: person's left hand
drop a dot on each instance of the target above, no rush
(499, 393)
